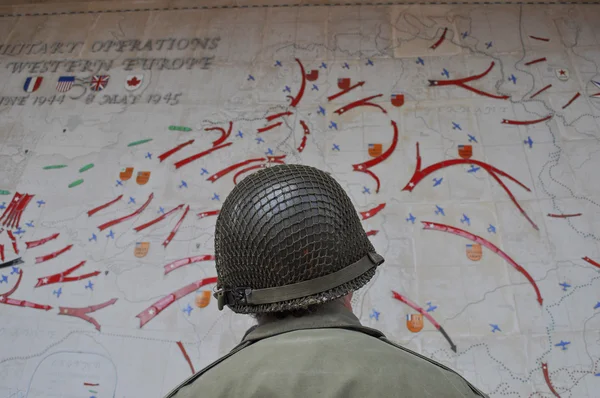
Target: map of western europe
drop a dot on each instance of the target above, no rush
(467, 137)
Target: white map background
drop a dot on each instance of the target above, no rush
(45, 355)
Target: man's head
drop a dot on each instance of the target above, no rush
(288, 237)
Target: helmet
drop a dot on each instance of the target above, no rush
(288, 237)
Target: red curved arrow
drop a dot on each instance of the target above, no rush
(363, 167)
(526, 122)
(40, 242)
(547, 377)
(185, 261)
(298, 97)
(224, 135)
(372, 212)
(270, 118)
(174, 231)
(361, 102)
(419, 174)
(461, 83)
(5, 298)
(229, 169)
(440, 40)
(489, 245)
(64, 276)
(176, 149)
(415, 307)
(104, 206)
(157, 219)
(305, 127)
(197, 156)
(186, 356)
(255, 167)
(82, 312)
(151, 312)
(135, 213)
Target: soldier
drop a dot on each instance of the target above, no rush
(290, 250)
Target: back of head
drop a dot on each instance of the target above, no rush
(288, 237)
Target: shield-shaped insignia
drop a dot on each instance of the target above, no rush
(465, 151)
(141, 249)
(99, 82)
(414, 323)
(562, 74)
(375, 150)
(65, 83)
(126, 173)
(312, 75)
(142, 177)
(344, 83)
(133, 82)
(474, 252)
(32, 83)
(397, 99)
(203, 299)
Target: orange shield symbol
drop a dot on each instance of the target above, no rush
(465, 151)
(312, 75)
(126, 173)
(142, 177)
(141, 249)
(375, 150)
(414, 323)
(203, 299)
(344, 83)
(397, 99)
(474, 252)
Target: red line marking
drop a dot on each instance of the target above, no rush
(571, 101)
(225, 171)
(589, 260)
(461, 83)
(541, 91)
(197, 156)
(302, 144)
(419, 175)
(298, 97)
(255, 167)
(13, 240)
(548, 382)
(564, 215)
(345, 91)
(64, 276)
(478, 239)
(11, 217)
(151, 312)
(363, 167)
(208, 213)
(361, 102)
(269, 127)
(185, 261)
(270, 118)
(186, 356)
(535, 61)
(91, 384)
(305, 127)
(224, 135)
(526, 122)
(104, 206)
(40, 242)
(179, 147)
(539, 38)
(372, 232)
(157, 219)
(50, 256)
(372, 212)
(440, 40)
(2, 253)
(82, 312)
(5, 298)
(120, 220)
(174, 231)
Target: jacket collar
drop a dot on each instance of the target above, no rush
(329, 315)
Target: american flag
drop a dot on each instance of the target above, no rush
(99, 82)
(65, 83)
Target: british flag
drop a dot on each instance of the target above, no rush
(99, 82)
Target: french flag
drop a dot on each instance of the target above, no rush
(32, 84)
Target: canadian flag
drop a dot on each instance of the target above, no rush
(133, 82)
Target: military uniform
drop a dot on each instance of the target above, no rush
(324, 354)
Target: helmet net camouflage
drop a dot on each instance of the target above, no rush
(292, 226)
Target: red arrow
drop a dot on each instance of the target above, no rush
(157, 219)
(548, 382)
(361, 102)
(174, 231)
(179, 147)
(372, 212)
(40, 242)
(440, 40)
(82, 312)
(526, 122)
(50, 256)
(64, 276)
(104, 206)
(224, 135)
(298, 97)
(185, 261)
(5, 298)
(461, 83)
(122, 219)
(197, 156)
(345, 91)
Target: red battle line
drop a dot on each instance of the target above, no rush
(224, 135)
(571, 101)
(185, 261)
(440, 40)
(174, 231)
(5, 298)
(104, 206)
(563, 215)
(40, 242)
(149, 313)
(421, 174)
(372, 212)
(229, 169)
(535, 61)
(489, 245)
(526, 122)
(548, 382)
(298, 97)
(64, 276)
(461, 83)
(255, 167)
(269, 127)
(541, 91)
(302, 144)
(50, 256)
(120, 220)
(186, 356)
(539, 38)
(13, 241)
(157, 219)
(362, 102)
(589, 260)
(345, 91)
(208, 213)
(197, 156)
(372, 232)
(82, 312)
(365, 166)
(1, 253)
(179, 147)
(11, 217)
(270, 118)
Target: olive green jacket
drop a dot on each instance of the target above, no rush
(324, 354)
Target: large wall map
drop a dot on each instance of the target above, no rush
(467, 137)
